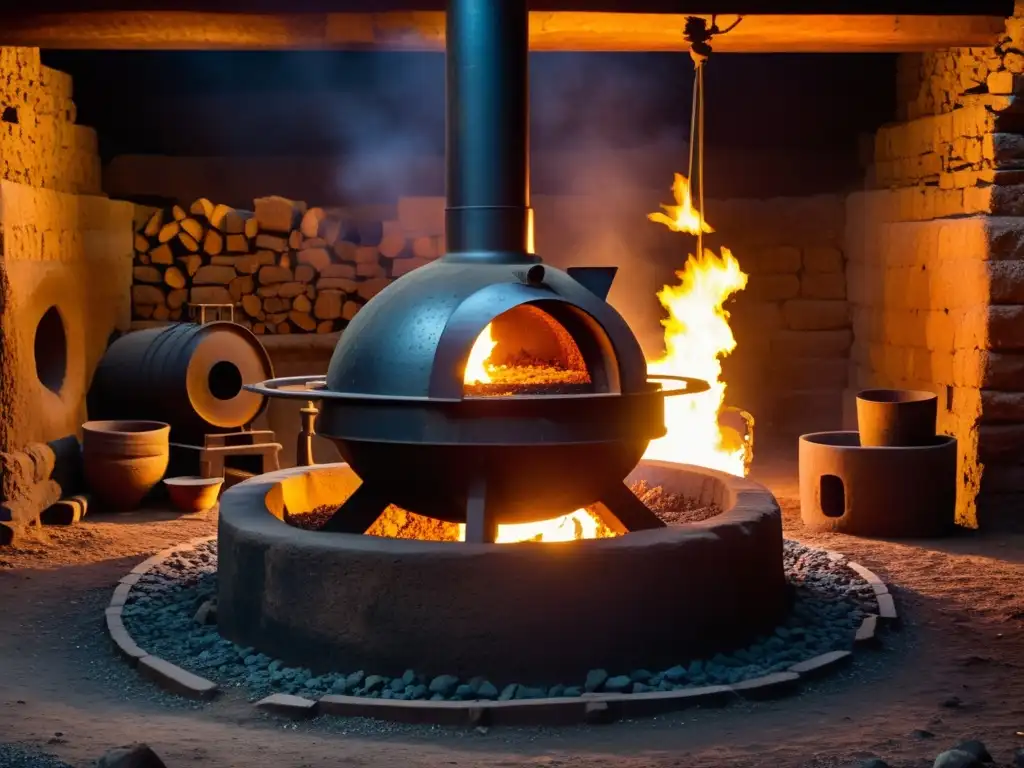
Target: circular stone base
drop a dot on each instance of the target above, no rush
(527, 612)
(877, 491)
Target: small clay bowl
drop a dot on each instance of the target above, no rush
(193, 494)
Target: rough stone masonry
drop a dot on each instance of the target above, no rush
(65, 282)
(935, 272)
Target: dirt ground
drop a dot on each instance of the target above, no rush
(953, 671)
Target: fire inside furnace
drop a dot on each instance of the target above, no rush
(697, 336)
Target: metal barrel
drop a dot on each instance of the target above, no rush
(188, 375)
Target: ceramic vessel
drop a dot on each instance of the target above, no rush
(896, 418)
(124, 460)
(193, 494)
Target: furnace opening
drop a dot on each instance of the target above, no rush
(525, 351)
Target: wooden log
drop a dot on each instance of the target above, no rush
(237, 243)
(241, 286)
(162, 254)
(178, 213)
(252, 305)
(194, 228)
(770, 27)
(325, 326)
(278, 214)
(188, 242)
(295, 239)
(213, 243)
(141, 243)
(147, 275)
(234, 222)
(174, 278)
(284, 327)
(259, 329)
(156, 221)
(143, 258)
(252, 227)
(168, 232)
(302, 320)
(176, 298)
(202, 208)
(162, 312)
(191, 264)
(271, 242)
(218, 216)
(349, 310)
(302, 303)
(311, 222)
(143, 311)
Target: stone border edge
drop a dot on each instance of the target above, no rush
(167, 676)
(590, 708)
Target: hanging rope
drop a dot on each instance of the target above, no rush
(699, 34)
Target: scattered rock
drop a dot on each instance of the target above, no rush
(957, 758)
(172, 613)
(976, 748)
(487, 690)
(444, 684)
(595, 679)
(508, 692)
(953, 702)
(919, 733)
(131, 756)
(872, 762)
(618, 684)
(373, 684)
(206, 613)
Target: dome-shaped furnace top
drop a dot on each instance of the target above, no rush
(413, 338)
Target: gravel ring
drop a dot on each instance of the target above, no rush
(831, 600)
(18, 756)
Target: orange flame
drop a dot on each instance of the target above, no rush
(697, 335)
(681, 217)
(476, 364)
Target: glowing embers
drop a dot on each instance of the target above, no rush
(525, 351)
(396, 523)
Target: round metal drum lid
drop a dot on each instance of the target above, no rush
(225, 358)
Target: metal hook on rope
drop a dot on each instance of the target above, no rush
(699, 33)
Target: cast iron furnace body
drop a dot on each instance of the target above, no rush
(394, 401)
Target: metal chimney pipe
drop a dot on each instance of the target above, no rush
(488, 216)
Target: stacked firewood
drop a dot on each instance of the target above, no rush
(284, 267)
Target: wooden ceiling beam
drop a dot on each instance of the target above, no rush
(1002, 8)
(549, 31)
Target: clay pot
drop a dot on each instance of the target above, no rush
(193, 494)
(124, 460)
(896, 417)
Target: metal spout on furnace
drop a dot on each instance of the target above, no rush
(597, 280)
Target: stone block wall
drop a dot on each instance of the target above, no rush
(934, 262)
(40, 144)
(791, 322)
(65, 285)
